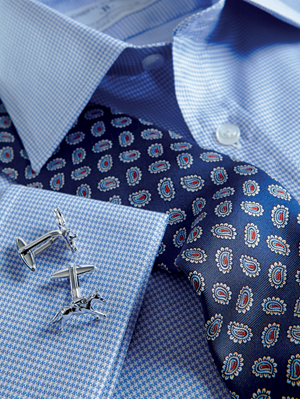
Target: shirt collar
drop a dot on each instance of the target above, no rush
(50, 66)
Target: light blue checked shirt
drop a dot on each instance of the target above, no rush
(188, 66)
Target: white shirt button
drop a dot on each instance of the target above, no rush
(229, 134)
(153, 61)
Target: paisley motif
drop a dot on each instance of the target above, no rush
(105, 163)
(94, 113)
(293, 333)
(245, 170)
(98, 129)
(151, 134)
(164, 267)
(221, 293)
(78, 155)
(121, 122)
(297, 276)
(213, 326)
(278, 245)
(273, 306)
(56, 163)
(133, 176)
(277, 275)
(252, 235)
(280, 216)
(84, 190)
(184, 160)
(10, 172)
(176, 215)
(293, 370)
(5, 122)
(57, 181)
(29, 173)
(179, 237)
(297, 308)
(197, 205)
(239, 332)
(80, 173)
(161, 249)
(199, 219)
(192, 182)
(6, 137)
(224, 192)
(165, 188)
(251, 188)
(115, 199)
(250, 265)
(211, 157)
(224, 259)
(108, 183)
(270, 335)
(102, 145)
(126, 139)
(224, 231)
(159, 166)
(174, 135)
(245, 300)
(252, 208)
(24, 154)
(140, 198)
(219, 175)
(261, 394)
(223, 209)
(75, 138)
(129, 156)
(180, 146)
(194, 255)
(264, 367)
(279, 192)
(194, 234)
(155, 150)
(232, 365)
(197, 281)
(7, 154)
(35, 185)
(144, 122)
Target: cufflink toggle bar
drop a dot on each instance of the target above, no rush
(28, 252)
(80, 305)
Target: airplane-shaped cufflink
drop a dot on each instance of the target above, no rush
(80, 305)
(28, 252)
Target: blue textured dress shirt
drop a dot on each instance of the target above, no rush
(188, 67)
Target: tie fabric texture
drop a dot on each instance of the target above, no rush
(232, 229)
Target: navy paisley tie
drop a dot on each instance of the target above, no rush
(233, 231)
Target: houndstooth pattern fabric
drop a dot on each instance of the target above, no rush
(36, 360)
(169, 339)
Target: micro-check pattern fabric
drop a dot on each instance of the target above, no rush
(82, 361)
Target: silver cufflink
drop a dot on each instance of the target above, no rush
(80, 305)
(28, 252)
